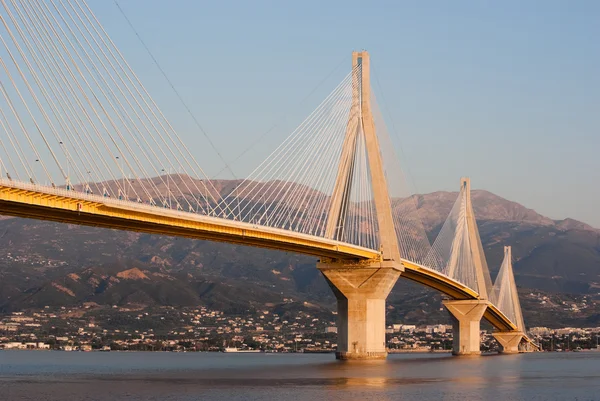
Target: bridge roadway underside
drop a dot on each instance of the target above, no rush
(92, 210)
(126, 224)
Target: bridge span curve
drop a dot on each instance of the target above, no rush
(59, 205)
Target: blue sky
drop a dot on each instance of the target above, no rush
(507, 93)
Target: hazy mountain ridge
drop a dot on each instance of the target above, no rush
(434, 208)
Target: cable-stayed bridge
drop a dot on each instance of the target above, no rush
(82, 141)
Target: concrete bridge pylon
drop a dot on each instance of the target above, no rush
(362, 288)
(505, 295)
(467, 260)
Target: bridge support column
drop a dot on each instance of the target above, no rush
(466, 321)
(509, 341)
(361, 293)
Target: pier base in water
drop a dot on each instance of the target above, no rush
(466, 322)
(509, 341)
(361, 293)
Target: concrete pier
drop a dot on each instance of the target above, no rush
(509, 341)
(466, 322)
(361, 293)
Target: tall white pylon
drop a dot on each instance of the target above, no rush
(362, 288)
(361, 125)
(504, 293)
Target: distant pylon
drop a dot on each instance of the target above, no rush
(467, 263)
(504, 293)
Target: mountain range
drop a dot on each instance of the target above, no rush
(557, 265)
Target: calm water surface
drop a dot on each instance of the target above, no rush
(94, 376)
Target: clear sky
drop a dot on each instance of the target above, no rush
(507, 92)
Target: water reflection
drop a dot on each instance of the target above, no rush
(161, 376)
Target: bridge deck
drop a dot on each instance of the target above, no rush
(55, 204)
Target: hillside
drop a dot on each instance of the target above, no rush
(44, 263)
